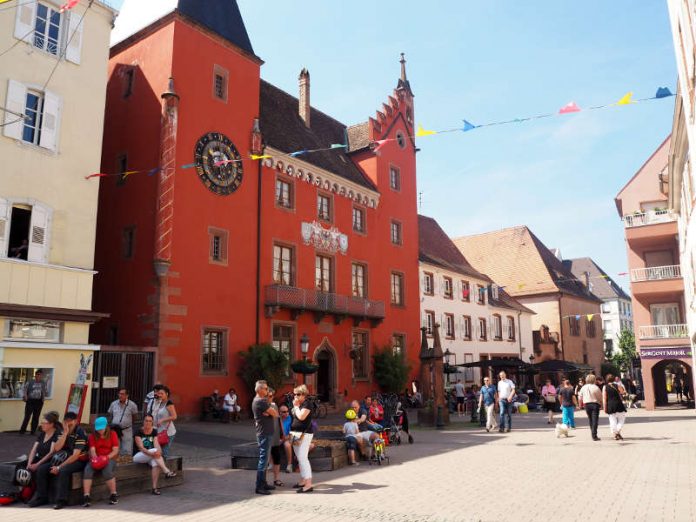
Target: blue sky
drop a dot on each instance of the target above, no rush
(490, 60)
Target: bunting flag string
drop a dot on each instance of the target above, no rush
(577, 317)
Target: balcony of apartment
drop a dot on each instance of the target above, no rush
(659, 332)
(656, 281)
(321, 304)
(650, 226)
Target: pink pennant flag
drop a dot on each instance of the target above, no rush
(378, 144)
(571, 107)
(98, 175)
(68, 5)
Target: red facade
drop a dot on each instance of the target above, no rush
(192, 259)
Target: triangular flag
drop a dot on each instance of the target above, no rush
(378, 145)
(298, 153)
(263, 156)
(338, 146)
(577, 317)
(568, 108)
(626, 99)
(589, 317)
(520, 286)
(97, 175)
(69, 5)
(663, 92)
(622, 273)
(124, 175)
(468, 126)
(422, 132)
(154, 171)
(188, 166)
(3, 1)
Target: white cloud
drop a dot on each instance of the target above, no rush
(136, 14)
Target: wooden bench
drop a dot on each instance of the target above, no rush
(321, 458)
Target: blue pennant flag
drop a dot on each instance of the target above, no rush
(338, 146)
(468, 126)
(154, 171)
(188, 166)
(298, 153)
(663, 92)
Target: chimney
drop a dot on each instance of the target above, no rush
(305, 107)
(587, 279)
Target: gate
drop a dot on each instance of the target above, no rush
(132, 370)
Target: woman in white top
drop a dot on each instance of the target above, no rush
(590, 397)
(229, 404)
(164, 415)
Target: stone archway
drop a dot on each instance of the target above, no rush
(327, 374)
(659, 373)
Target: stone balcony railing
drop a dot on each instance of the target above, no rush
(663, 331)
(322, 303)
(649, 217)
(656, 273)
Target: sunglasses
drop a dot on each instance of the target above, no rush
(283, 411)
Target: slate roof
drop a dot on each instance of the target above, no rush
(517, 259)
(603, 286)
(220, 16)
(283, 129)
(436, 248)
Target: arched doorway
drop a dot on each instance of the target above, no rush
(325, 358)
(671, 376)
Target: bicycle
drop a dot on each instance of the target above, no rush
(379, 451)
(319, 410)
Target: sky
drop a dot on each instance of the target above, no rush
(491, 60)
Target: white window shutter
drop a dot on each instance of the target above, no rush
(5, 209)
(16, 99)
(50, 121)
(39, 233)
(73, 38)
(24, 22)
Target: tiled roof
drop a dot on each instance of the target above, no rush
(517, 259)
(358, 136)
(283, 129)
(505, 300)
(603, 286)
(221, 17)
(435, 247)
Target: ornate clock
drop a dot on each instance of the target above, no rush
(218, 163)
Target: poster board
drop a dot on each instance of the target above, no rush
(76, 399)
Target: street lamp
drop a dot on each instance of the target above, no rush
(304, 345)
(447, 355)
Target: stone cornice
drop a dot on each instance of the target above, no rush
(320, 178)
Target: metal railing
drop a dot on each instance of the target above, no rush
(663, 331)
(656, 273)
(649, 217)
(315, 301)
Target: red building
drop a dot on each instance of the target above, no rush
(204, 261)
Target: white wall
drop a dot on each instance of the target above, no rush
(620, 316)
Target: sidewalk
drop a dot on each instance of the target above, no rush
(649, 477)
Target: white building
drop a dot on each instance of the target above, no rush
(616, 310)
(478, 319)
(681, 177)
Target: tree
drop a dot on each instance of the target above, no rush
(627, 351)
(263, 362)
(391, 370)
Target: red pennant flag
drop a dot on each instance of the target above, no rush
(68, 5)
(98, 175)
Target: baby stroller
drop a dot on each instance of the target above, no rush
(397, 420)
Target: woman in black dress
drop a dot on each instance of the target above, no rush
(612, 396)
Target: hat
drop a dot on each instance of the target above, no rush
(100, 423)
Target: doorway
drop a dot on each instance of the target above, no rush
(672, 384)
(326, 382)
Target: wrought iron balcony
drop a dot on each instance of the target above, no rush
(650, 217)
(301, 300)
(656, 273)
(663, 331)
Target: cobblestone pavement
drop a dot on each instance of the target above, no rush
(460, 474)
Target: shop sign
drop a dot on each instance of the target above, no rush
(110, 382)
(666, 352)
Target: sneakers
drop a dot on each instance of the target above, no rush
(410, 438)
(262, 491)
(288, 468)
(86, 501)
(268, 487)
(113, 499)
(507, 430)
(501, 430)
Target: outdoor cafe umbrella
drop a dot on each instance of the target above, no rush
(496, 363)
(555, 365)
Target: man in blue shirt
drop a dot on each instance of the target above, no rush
(487, 400)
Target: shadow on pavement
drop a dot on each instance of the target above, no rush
(337, 489)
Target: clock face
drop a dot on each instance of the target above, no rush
(212, 157)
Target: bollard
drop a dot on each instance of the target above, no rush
(439, 423)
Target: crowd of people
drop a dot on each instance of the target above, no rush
(62, 449)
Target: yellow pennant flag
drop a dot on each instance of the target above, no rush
(124, 175)
(590, 317)
(520, 286)
(3, 1)
(626, 100)
(422, 132)
(264, 156)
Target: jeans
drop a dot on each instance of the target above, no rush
(505, 408)
(592, 410)
(167, 447)
(568, 415)
(264, 442)
(32, 409)
(64, 477)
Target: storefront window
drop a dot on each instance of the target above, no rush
(14, 380)
(33, 330)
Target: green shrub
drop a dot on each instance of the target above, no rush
(391, 371)
(263, 362)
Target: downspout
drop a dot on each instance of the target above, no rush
(519, 331)
(258, 251)
(560, 317)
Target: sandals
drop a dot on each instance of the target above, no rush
(278, 483)
(296, 486)
(170, 474)
(156, 491)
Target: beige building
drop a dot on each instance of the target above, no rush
(52, 89)
(567, 315)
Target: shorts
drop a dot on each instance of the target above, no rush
(351, 442)
(276, 454)
(460, 400)
(107, 473)
(365, 435)
(549, 406)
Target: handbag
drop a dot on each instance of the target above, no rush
(296, 441)
(163, 438)
(550, 397)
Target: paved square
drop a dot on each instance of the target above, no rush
(459, 474)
